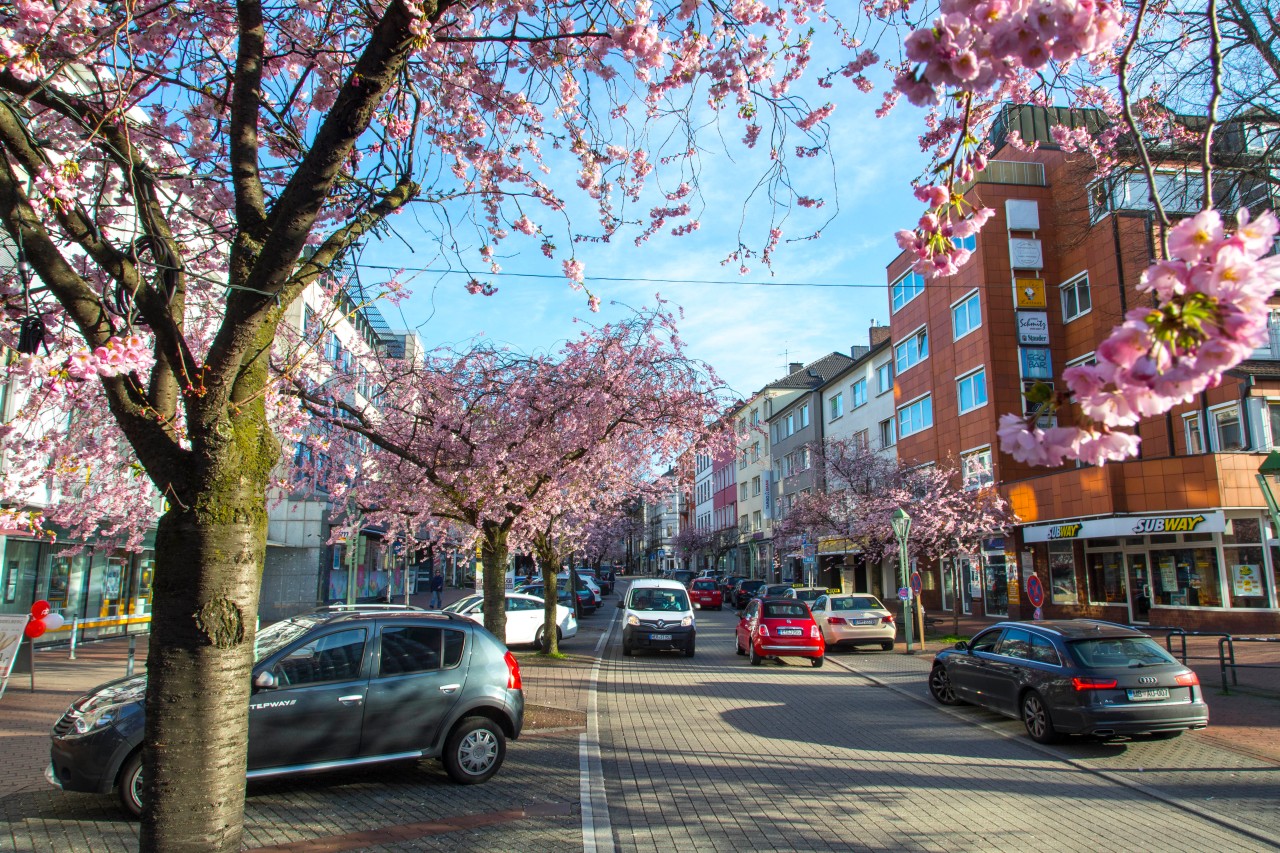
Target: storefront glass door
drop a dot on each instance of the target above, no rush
(969, 581)
(948, 586)
(1139, 583)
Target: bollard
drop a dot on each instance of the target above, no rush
(133, 645)
(75, 623)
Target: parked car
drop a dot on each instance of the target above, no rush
(597, 597)
(563, 596)
(606, 577)
(776, 590)
(777, 627)
(657, 614)
(854, 620)
(332, 689)
(727, 585)
(1077, 676)
(526, 617)
(682, 577)
(744, 590)
(706, 593)
(810, 594)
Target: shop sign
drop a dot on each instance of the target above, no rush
(1130, 525)
(11, 628)
(1025, 254)
(836, 545)
(1036, 363)
(1246, 581)
(1030, 292)
(1033, 328)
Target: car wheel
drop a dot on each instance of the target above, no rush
(940, 686)
(1035, 716)
(816, 663)
(474, 750)
(752, 656)
(688, 649)
(130, 785)
(886, 646)
(737, 647)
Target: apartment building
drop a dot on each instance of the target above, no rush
(1178, 536)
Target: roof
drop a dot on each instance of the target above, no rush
(1257, 367)
(815, 373)
(656, 583)
(1079, 629)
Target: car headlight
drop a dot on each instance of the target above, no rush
(633, 619)
(96, 718)
(686, 622)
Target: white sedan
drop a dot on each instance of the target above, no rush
(524, 617)
(856, 619)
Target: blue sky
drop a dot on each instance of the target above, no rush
(746, 332)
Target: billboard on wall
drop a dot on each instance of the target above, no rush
(1127, 525)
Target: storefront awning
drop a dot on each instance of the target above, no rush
(1212, 521)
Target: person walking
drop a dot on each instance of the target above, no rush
(437, 590)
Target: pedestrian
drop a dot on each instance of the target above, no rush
(437, 590)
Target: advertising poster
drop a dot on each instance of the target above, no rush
(1030, 292)
(11, 627)
(1246, 581)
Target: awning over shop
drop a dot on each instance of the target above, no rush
(1210, 521)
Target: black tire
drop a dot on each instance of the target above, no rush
(1035, 716)
(540, 640)
(626, 649)
(474, 750)
(737, 648)
(816, 663)
(886, 646)
(940, 686)
(129, 787)
(751, 654)
(688, 649)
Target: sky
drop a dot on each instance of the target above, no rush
(748, 327)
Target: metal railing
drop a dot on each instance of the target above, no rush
(1227, 658)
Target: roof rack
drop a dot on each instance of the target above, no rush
(355, 607)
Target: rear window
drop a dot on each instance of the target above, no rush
(862, 603)
(665, 600)
(1120, 651)
(749, 586)
(707, 584)
(782, 610)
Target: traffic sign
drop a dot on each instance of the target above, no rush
(916, 583)
(904, 593)
(1035, 591)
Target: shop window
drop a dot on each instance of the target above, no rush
(1187, 577)
(1245, 568)
(997, 585)
(1106, 578)
(1062, 573)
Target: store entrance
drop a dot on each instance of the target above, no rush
(969, 579)
(1139, 584)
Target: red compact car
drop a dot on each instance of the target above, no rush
(705, 593)
(779, 627)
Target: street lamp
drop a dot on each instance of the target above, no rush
(1271, 468)
(902, 529)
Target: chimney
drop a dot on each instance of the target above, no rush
(856, 352)
(879, 334)
(794, 367)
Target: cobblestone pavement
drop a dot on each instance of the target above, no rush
(713, 754)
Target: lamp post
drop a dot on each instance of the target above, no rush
(1271, 468)
(902, 529)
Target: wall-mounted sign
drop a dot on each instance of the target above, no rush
(1031, 400)
(1033, 328)
(1126, 525)
(1025, 254)
(1029, 292)
(1035, 363)
(1022, 214)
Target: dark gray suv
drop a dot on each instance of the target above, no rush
(389, 685)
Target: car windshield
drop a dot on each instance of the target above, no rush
(668, 600)
(277, 635)
(1120, 651)
(463, 603)
(856, 603)
(785, 610)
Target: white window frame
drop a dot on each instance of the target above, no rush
(1074, 283)
(853, 393)
(1215, 442)
(836, 409)
(905, 408)
(984, 450)
(899, 296)
(862, 439)
(966, 377)
(893, 432)
(964, 302)
(1088, 358)
(919, 339)
(880, 389)
(1189, 420)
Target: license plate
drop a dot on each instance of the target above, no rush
(1148, 694)
(659, 636)
(864, 621)
(790, 632)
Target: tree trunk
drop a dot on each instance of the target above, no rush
(493, 556)
(209, 562)
(550, 608)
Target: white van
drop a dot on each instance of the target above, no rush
(658, 615)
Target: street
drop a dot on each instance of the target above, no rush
(710, 753)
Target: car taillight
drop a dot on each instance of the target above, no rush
(1093, 683)
(764, 630)
(513, 671)
(1187, 679)
(813, 631)
(835, 620)
(888, 620)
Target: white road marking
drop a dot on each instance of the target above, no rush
(597, 832)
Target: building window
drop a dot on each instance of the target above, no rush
(1273, 419)
(888, 434)
(1195, 438)
(966, 315)
(837, 406)
(858, 394)
(975, 467)
(969, 243)
(1062, 573)
(742, 492)
(862, 438)
(742, 460)
(915, 416)
(1227, 434)
(1075, 298)
(755, 416)
(912, 351)
(1106, 578)
(804, 459)
(755, 452)
(757, 521)
(744, 524)
(791, 423)
(907, 288)
(755, 485)
(742, 426)
(804, 416)
(884, 378)
(971, 390)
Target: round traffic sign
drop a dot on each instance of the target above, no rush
(1035, 590)
(916, 583)
(904, 593)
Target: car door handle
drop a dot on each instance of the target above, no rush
(449, 688)
(354, 699)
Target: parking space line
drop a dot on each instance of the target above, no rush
(597, 831)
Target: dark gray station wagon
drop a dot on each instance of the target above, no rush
(331, 689)
(1075, 676)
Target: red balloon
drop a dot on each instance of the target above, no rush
(35, 628)
(40, 609)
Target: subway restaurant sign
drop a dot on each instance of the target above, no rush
(1126, 525)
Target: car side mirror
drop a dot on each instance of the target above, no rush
(265, 680)
(962, 646)
(619, 605)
